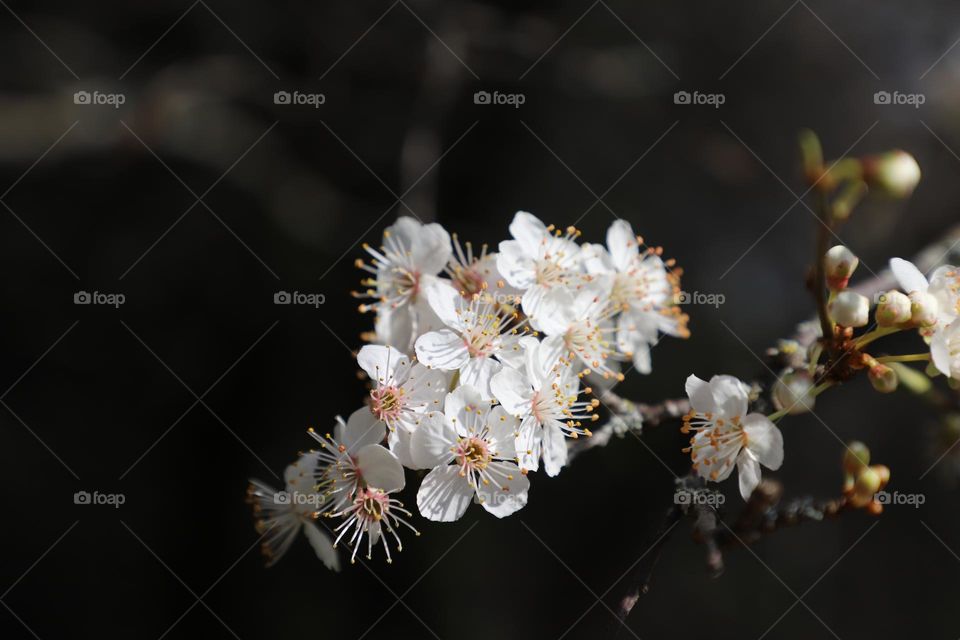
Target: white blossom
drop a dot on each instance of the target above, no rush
(281, 515)
(725, 435)
(544, 395)
(642, 288)
(408, 262)
(471, 453)
(478, 338)
(538, 259)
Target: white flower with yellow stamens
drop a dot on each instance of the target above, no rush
(408, 262)
(478, 339)
(538, 259)
(354, 458)
(544, 394)
(478, 274)
(280, 515)
(726, 435)
(470, 449)
(579, 324)
(374, 514)
(643, 288)
(403, 389)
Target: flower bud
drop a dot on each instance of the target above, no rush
(894, 173)
(839, 264)
(924, 308)
(791, 391)
(893, 308)
(856, 457)
(866, 486)
(850, 309)
(883, 378)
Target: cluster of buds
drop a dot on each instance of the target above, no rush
(861, 480)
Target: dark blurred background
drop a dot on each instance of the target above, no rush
(199, 197)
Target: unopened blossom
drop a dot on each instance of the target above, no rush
(725, 435)
(281, 515)
(354, 458)
(850, 309)
(839, 264)
(893, 308)
(883, 378)
(538, 259)
(791, 392)
(935, 302)
(471, 453)
(408, 262)
(478, 337)
(895, 173)
(545, 395)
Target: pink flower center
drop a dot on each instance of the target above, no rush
(473, 454)
(387, 403)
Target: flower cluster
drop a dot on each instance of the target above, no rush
(478, 368)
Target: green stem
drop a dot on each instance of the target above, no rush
(913, 357)
(870, 336)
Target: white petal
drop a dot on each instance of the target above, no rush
(478, 372)
(425, 389)
(444, 496)
(908, 276)
(399, 442)
(701, 398)
(529, 443)
(596, 259)
(380, 468)
(362, 428)
(428, 245)
(507, 497)
(442, 349)
(940, 349)
(395, 326)
(550, 310)
(380, 362)
(512, 389)
(764, 440)
(322, 546)
(730, 395)
(430, 444)
(517, 267)
(445, 300)
(503, 428)
(529, 231)
(623, 246)
(554, 449)
(748, 470)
